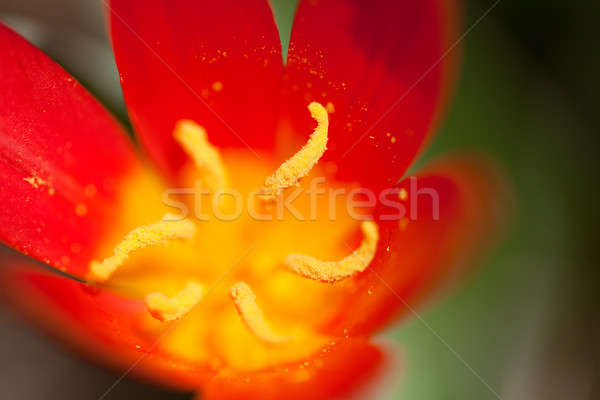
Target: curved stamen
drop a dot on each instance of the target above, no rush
(245, 303)
(333, 271)
(144, 236)
(300, 164)
(192, 137)
(166, 308)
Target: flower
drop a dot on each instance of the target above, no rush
(243, 308)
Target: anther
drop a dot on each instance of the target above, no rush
(300, 164)
(166, 308)
(333, 271)
(245, 303)
(192, 137)
(144, 236)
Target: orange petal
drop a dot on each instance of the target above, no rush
(335, 372)
(427, 248)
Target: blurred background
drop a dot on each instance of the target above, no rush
(526, 324)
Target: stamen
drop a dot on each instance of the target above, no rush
(300, 164)
(245, 303)
(333, 271)
(146, 235)
(166, 308)
(192, 137)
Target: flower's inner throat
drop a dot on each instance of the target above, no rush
(258, 289)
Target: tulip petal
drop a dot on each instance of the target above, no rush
(215, 62)
(62, 158)
(336, 373)
(112, 329)
(102, 325)
(452, 210)
(382, 68)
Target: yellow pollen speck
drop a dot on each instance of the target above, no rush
(403, 194)
(166, 308)
(81, 209)
(35, 181)
(333, 271)
(143, 236)
(393, 139)
(300, 164)
(194, 141)
(403, 224)
(245, 303)
(217, 86)
(330, 107)
(90, 190)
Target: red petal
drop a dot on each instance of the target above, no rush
(109, 328)
(417, 254)
(382, 68)
(62, 157)
(102, 325)
(332, 374)
(174, 58)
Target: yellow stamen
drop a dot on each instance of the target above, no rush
(333, 271)
(300, 164)
(166, 308)
(146, 235)
(192, 137)
(245, 303)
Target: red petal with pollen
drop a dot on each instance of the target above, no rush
(109, 328)
(383, 67)
(334, 374)
(100, 324)
(451, 211)
(216, 62)
(62, 157)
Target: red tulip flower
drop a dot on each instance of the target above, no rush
(250, 307)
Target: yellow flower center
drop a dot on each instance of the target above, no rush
(235, 281)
